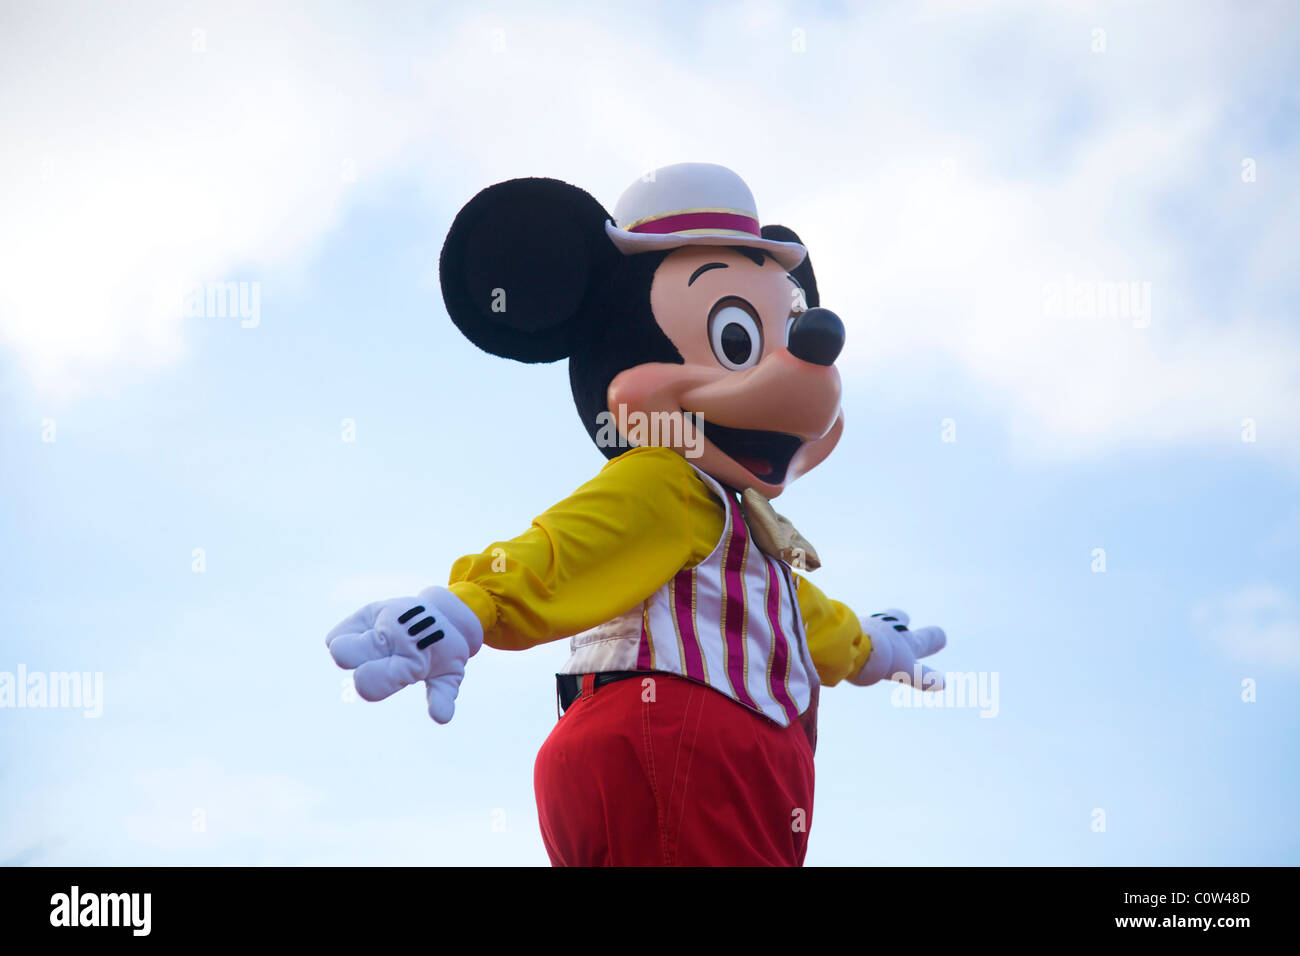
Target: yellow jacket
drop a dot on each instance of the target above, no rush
(612, 544)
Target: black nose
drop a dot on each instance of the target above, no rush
(817, 337)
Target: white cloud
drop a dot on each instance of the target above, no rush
(958, 274)
(1257, 625)
(944, 163)
(147, 149)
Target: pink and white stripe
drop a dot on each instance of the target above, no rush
(732, 622)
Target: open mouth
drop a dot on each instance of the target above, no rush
(765, 455)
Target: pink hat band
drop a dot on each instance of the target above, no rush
(688, 221)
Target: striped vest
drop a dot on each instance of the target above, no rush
(731, 622)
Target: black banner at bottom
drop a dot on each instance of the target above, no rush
(369, 906)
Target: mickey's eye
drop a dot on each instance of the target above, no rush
(735, 334)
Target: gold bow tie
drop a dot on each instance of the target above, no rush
(775, 535)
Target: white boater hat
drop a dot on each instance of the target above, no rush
(691, 204)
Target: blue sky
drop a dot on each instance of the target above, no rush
(945, 163)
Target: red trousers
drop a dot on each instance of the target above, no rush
(663, 771)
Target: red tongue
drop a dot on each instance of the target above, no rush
(758, 467)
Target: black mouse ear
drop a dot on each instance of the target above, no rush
(804, 272)
(518, 265)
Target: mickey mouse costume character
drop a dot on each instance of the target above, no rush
(689, 702)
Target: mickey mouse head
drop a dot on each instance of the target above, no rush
(679, 304)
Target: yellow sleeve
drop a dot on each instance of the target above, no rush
(838, 645)
(604, 549)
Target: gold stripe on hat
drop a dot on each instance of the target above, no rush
(704, 232)
(685, 212)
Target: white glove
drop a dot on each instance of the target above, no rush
(895, 649)
(405, 640)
